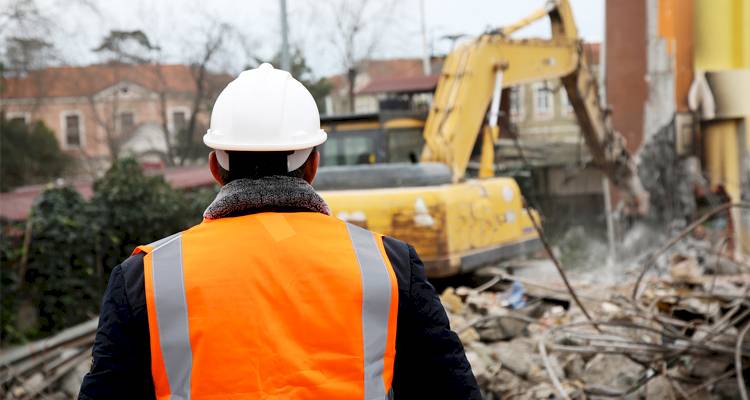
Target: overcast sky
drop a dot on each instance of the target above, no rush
(178, 25)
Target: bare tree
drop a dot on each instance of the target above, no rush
(26, 29)
(164, 118)
(24, 32)
(27, 20)
(127, 47)
(24, 54)
(205, 46)
(212, 45)
(23, 18)
(358, 29)
(123, 49)
(207, 87)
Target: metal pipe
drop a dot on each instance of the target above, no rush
(426, 67)
(496, 92)
(285, 60)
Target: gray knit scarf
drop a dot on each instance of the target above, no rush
(271, 192)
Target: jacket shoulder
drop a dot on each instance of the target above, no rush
(132, 274)
(399, 254)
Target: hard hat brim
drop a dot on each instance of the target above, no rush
(214, 140)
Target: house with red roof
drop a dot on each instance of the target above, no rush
(380, 81)
(101, 109)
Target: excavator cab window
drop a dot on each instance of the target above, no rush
(404, 144)
(349, 149)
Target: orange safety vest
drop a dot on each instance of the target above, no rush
(271, 306)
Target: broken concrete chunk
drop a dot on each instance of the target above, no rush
(685, 269)
(659, 388)
(573, 366)
(612, 371)
(501, 328)
(451, 301)
(516, 356)
(468, 336)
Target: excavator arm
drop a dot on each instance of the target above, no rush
(475, 73)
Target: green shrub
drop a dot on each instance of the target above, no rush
(11, 245)
(75, 244)
(130, 208)
(60, 276)
(29, 154)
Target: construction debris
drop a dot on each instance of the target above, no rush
(51, 368)
(681, 333)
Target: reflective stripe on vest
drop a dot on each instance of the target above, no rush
(172, 315)
(169, 306)
(376, 304)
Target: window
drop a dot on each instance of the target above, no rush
(179, 121)
(127, 121)
(404, 145)
(516, 103)
(565, 106)
(72, 130)
(348, 149)
(17, 120)
(543, 99)
(18, 117)
(365, 104)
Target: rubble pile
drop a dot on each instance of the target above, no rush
(680, 334)
(51, 368)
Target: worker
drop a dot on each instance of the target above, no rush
(271, 297)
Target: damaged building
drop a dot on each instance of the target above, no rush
(677, 77)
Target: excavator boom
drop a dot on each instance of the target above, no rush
(473, 70)
(470, 223)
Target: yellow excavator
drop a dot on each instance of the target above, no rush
(458, 224)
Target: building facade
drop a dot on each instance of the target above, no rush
(106, 110)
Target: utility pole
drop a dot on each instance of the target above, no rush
(285, 62)
(426, 67)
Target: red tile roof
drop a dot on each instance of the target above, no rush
(415, 84)
(15, 205)
(384, 69)
(189, 177)
(403, 67)
(88, 80)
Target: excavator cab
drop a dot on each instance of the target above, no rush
(372, 138)
(456, 228)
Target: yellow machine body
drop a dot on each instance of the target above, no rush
(455, 227)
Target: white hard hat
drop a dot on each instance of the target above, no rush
(265, 109)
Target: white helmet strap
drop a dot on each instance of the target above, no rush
(223, 158)
(296, 159)
(293, 161)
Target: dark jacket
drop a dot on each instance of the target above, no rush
(430, 361)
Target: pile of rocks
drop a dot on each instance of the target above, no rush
(681, 336)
